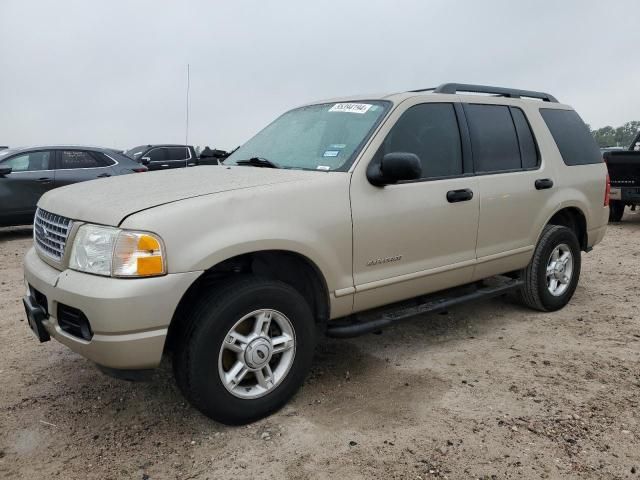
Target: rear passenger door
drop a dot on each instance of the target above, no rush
(75, 165)
(178, 157)
(514, 186)
(163, 158)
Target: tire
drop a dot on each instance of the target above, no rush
(616, 210)
(537, 290)
(204, 354)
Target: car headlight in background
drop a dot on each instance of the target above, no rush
(114, 252)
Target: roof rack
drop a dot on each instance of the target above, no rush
(453, 88)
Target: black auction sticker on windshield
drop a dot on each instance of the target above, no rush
(351, 107)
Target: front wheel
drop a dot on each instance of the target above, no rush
(616, 210)
(245, 350)
(552, 276)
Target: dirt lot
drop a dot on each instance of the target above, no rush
(490, 390)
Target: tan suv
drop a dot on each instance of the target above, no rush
(339, 218)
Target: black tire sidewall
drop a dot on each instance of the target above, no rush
(207, 390)
(616, 210)
(559, 236)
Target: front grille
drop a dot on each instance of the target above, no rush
(50, 233)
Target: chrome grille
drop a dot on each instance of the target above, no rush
(50, 233)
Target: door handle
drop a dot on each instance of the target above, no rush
(463, 195)
(44, 180)
(103, 175)
(543, 183)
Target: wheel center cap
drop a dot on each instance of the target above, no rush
(258, 353)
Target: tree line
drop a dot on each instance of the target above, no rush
(616, 137)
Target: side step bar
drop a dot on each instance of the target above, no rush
(374, 320)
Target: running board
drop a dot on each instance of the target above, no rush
(376, 319)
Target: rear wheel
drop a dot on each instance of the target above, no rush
(552, 276)
(616, 210)
(245, 350)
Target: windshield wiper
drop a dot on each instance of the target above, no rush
(258, 162)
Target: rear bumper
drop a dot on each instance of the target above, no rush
(629, 195)
(129, 317)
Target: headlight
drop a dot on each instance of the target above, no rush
(119, 253)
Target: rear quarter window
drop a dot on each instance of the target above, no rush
(576, 144)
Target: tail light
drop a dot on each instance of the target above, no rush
(607, 191)
(140, 169)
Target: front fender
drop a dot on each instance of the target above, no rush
(311, 218)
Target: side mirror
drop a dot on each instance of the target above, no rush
(394, 167)
(145, 160)
(5, 171)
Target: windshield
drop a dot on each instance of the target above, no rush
(317, 137)
(5, 152)
(136, 152)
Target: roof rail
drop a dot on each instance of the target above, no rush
(454, 88)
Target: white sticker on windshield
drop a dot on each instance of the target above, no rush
(331, 153)
(323, 167)
(351, 107)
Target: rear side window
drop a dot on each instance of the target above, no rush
(177, 153)
(105, 159)
(430, 131)
(79, 159)
(576, 144)
(157, 155)
(528, 148)
(493, 138)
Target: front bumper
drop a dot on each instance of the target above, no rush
(129, 317)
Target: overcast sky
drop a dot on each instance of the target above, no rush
(113, 73)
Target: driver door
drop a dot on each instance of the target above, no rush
(410, 238)
(31, 177)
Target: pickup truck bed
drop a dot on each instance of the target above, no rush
(624, 173)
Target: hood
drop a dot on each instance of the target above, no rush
(108, 201)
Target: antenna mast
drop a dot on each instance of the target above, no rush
(186, 135)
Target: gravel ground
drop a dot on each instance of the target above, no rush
(490, 390)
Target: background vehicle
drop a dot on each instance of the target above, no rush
(624, 172)
(603, 150)
(212, 156)
(27, 173)
(340, 217)
(164, 157)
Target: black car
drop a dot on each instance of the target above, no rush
(27, 173)
(162, 157)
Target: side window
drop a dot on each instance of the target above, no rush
(493, 138)
(78, 159)
(29, 162)
(429, 130)
(157, 155)
(576, 144)
(106, 160)
(528, 148)
(177, 153)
